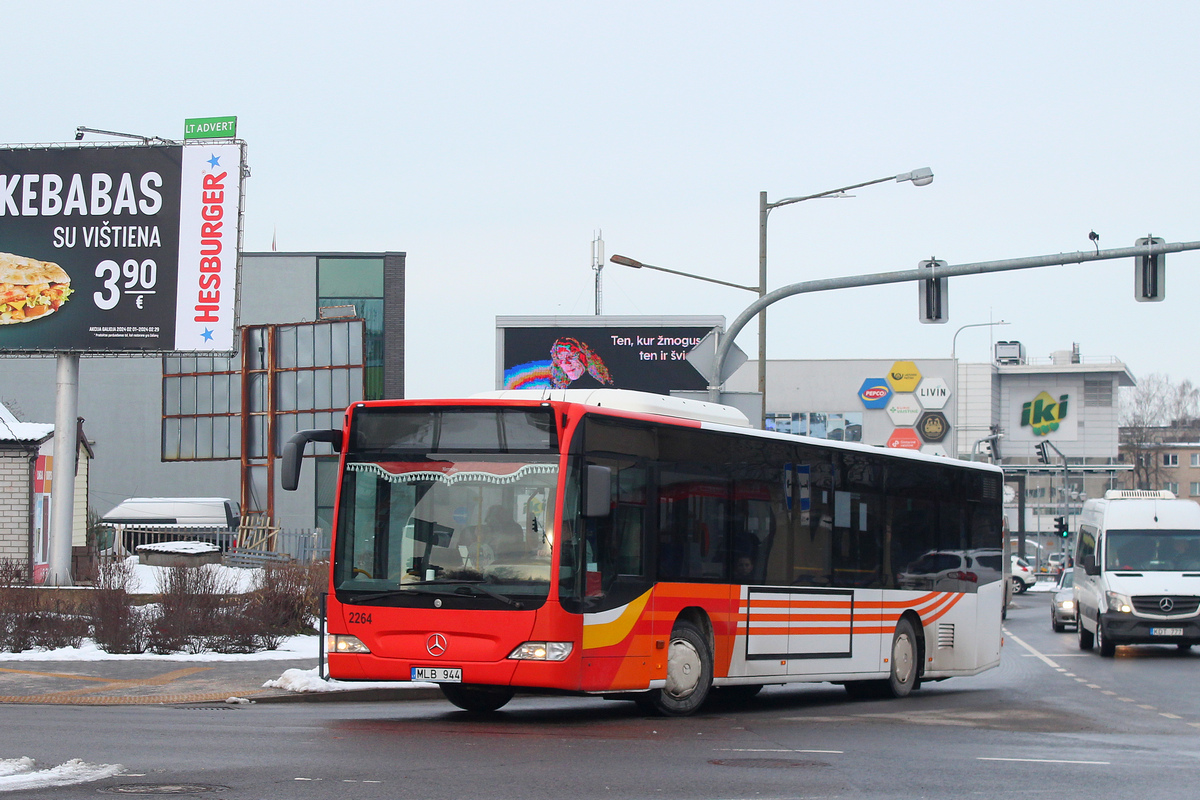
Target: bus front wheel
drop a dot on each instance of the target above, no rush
(477, 698)
(689, 674)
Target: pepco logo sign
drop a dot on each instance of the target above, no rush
(874, 393)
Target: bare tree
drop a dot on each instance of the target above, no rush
(1151, 413)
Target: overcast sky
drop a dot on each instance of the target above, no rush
(491, 141)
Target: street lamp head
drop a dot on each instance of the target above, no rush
(919, 177)
(625, 261)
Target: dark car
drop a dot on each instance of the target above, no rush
(1062, 605)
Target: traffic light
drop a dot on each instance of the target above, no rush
(935, 295)
(1150, 274)
(1043, 456)
(1060, 527)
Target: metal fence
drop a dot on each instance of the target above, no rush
(303, 545)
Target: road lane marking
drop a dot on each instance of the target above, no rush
(1045, 659)
(766, 750)
(1044, 761)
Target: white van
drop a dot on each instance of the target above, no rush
(140, 520)
(1137, 577)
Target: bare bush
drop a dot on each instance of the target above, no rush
(286, 597)
(17, 606)
(117, 627)
(190, 609)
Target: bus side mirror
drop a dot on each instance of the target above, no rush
(1089, 565)
(598, 491)
(293, 453)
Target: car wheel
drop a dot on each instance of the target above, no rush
(1019, 586)
(689, 674)
(1054, 623)
(480, 699)
(1085, 637)
(1103, 643)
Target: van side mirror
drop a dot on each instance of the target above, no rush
(1089, 565)
(598, 491)
(293, 453)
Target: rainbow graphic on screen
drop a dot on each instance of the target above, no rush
(530, 375)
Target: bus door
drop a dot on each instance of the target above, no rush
(610, 583)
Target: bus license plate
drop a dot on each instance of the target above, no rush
(1166, 631)
(437, 674)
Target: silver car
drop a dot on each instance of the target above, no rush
(1062, 605)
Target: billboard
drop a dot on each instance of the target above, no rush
(118, 249)
(647, 354)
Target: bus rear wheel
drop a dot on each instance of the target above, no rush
(689, 674)
(905, 672)
(476, 698)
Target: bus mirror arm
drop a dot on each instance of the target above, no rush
(293, 453)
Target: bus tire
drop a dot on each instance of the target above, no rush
(481, 699)
(1086, 641)
(905, 660)
(689, 674)
(1103, 643)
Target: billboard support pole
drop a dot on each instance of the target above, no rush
(66, 426)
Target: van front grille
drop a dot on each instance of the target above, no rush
(1166, 605)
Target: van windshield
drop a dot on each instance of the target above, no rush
(1152, 551)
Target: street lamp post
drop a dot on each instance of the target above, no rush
(954, 340)
(919, 177)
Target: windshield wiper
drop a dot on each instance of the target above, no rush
(463, 588)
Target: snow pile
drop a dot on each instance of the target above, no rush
(182, 548)
(19, 774)
(308, 680)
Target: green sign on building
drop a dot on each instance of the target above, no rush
(210, 128)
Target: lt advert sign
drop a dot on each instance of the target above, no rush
(120, 249)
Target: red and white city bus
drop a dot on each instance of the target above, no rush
(645, 547)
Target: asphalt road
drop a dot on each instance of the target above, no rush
(1050, 722)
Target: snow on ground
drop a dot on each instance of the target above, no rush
(147, 579)
(308, 680)
(293, 648)
(21, 774)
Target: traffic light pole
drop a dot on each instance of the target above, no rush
(1064, 504)
(920, 274)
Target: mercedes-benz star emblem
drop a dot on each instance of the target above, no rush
(435, 644)
(1166, 604)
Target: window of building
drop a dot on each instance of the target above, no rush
(1194, 489)
(841, 426)
(358, 282)
(1098, 392)
(1172, 487)
(1196, 459)
(1170, 459)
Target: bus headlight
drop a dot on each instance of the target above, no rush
(1119, 602)
(542, 651)
(344, 643)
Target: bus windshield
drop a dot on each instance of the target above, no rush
(447, 523)
(1152, 551)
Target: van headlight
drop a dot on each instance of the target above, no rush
(344, 643)
(542, 651)
(1119, 602)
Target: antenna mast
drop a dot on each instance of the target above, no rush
(597, 267)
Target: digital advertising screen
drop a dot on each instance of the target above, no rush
(109, 249)
(649, 357)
